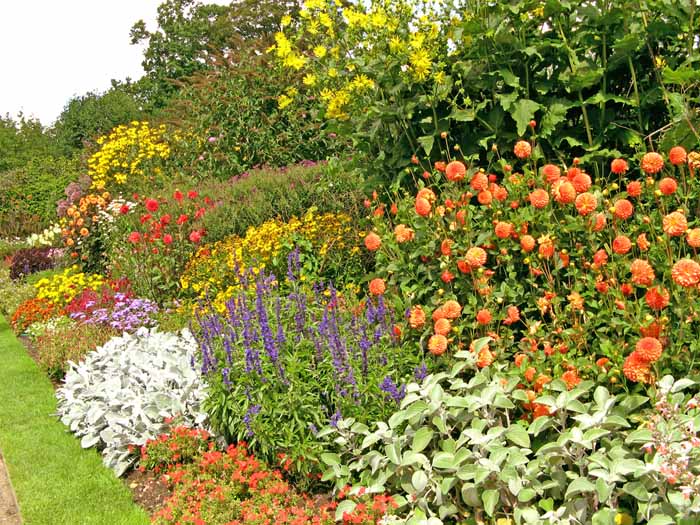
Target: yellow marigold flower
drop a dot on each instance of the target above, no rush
(309, 79)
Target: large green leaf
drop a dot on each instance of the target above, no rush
(523, 112)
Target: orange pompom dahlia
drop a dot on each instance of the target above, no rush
(373, 241)
(621, 244)
(652, 163)
(668, 185)
(677, 155)
(539, 198)
(551, 173)
(649, 349)
(377, 286)
(437, 344)
(416, 317)
(675, 224)
(618, 166)
(586, 203)
(452, 309)
(642, 272)
(657, 298)
(634, 188)
(693, 237)
(686, 273)
(522, 149)
(623, 209)
(455, 171)
(475, 257)
(637, 369)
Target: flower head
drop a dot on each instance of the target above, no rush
(677, 155)
(522, 149)
(648, 349)
(455, 171)
(539, 198)
(475, 257)
(686, 273)
(377, 286)
(642, 272)
(437, 344)
(652, 163)
(618, 166)
(675, 224)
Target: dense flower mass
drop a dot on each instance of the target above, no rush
(125, 153)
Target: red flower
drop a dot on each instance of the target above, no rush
(167, 239)
(195, 236)
(657, 298)
(192, 194)
(152, 205)
(124, 209)
(182, 219)
(178, 196)
(134, 237)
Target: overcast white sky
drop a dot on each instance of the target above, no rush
(51, 50)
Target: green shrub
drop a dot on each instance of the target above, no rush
(12, 293)
(232, 120)
(29, 194)
(595, 79)
(259, 195)
(459, 447)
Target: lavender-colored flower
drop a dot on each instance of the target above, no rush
(225, 375)
(337, 416)
(252, 411)
(421, 372)
(389, 387)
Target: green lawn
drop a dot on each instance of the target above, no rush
(56, 481)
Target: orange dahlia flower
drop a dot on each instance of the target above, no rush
(675, 224)
(503, 230)
(623, 209)
(377, 286)
(563, 192)
(522, 149)
(586, 203)
(443, 326)
(373, 241)
(551, 173)
(652, 163)
(657, 298)
(455, 171)
(417, 317)
(437, 344)
(479, 181)
(618, 166)
(642, 242)
(582, 182)
(403, 234)
(452, 309)
(642, 272)
(621, 244)
(634, 188)
(483, 316)
(539, 198)
(686, 273)
(668, 185)
(527, 243)
(423, 207)
(475, 257)
(636, 369)
(677, 155)
(649, 349)
(693, 237)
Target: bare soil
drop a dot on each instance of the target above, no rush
(9, 511)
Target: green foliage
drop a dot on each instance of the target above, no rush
(596, 78)
(22, 141)
(190, 31)
(12, 293)
(457, 447)
(29, 194)
(233, 119)
(254, 197)
(93, 114)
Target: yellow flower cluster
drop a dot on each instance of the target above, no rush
(124, 152)
(212, 271)
(377, 38)
(62, 288)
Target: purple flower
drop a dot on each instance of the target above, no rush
(391, 390)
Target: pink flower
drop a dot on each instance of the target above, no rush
(134, 237)
(167, 239)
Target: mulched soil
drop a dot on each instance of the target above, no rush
(148, 490)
